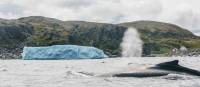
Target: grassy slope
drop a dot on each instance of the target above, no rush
(48, 31)
(41, 31)
(163, 37)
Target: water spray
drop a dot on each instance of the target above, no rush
(131, 44)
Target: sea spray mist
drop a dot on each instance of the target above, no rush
(132, 44)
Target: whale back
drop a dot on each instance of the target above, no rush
(174, 66)
(171, 63)
(164, 68)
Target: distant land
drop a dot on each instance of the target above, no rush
(158, 37)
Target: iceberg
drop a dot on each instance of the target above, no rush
(58, 52)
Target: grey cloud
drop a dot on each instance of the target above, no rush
(77, 4)
(11, 8)
(183, 13)
(186, 16)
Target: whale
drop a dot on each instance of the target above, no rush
(161, 69)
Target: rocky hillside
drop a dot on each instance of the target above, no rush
(159, 37)
(42, 31)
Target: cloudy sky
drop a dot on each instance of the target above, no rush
(185, 13)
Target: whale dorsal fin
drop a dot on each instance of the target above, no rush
(174, 62)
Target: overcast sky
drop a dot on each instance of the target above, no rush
(185, 13)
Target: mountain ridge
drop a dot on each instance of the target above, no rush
(158, 37)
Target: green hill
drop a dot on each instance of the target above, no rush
(159, 37)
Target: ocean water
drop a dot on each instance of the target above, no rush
(88, 73)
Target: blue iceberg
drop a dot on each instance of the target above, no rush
(57, 52)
